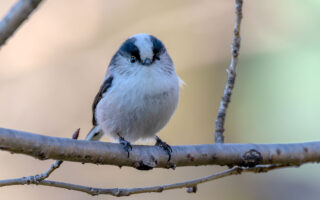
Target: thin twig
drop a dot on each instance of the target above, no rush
(15, 17)
(47, 173)
(56, 164)
(37, 179)
(219, 138)
(130, 191)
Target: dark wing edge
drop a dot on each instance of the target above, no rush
(103, 89)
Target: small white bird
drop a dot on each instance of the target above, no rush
(139, 94)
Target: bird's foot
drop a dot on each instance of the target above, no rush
(126, 145)
(164, 146)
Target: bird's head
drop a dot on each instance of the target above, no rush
(141, 51)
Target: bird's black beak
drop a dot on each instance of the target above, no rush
(147, 61)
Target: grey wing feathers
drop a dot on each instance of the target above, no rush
(103, 89)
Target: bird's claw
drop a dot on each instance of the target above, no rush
(164, 146)
(126, 145)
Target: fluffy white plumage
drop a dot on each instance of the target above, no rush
(142, 96)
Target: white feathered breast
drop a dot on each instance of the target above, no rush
(138, 105)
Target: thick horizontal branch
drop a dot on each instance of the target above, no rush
(144, 157)
(15, 17)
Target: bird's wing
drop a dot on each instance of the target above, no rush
(103, 89)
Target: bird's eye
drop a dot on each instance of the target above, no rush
(133, 59)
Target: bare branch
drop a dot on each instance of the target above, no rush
(219, 138)
(45, 147)
(15, 17)
(57, 163)
(130, 191)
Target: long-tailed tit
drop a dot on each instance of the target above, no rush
(139, 93)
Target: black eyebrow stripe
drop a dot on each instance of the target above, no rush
(129, 48)
(157, 45)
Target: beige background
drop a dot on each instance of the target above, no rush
(52, 67)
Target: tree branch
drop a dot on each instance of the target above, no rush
(146, 157)
(219, 138)
(15, 17)
(129, 191)
(57, 163)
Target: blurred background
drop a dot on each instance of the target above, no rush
(51, 69)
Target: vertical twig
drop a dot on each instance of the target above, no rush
(15, 17)
(219, 138)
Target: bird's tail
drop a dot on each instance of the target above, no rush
(95, 134)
